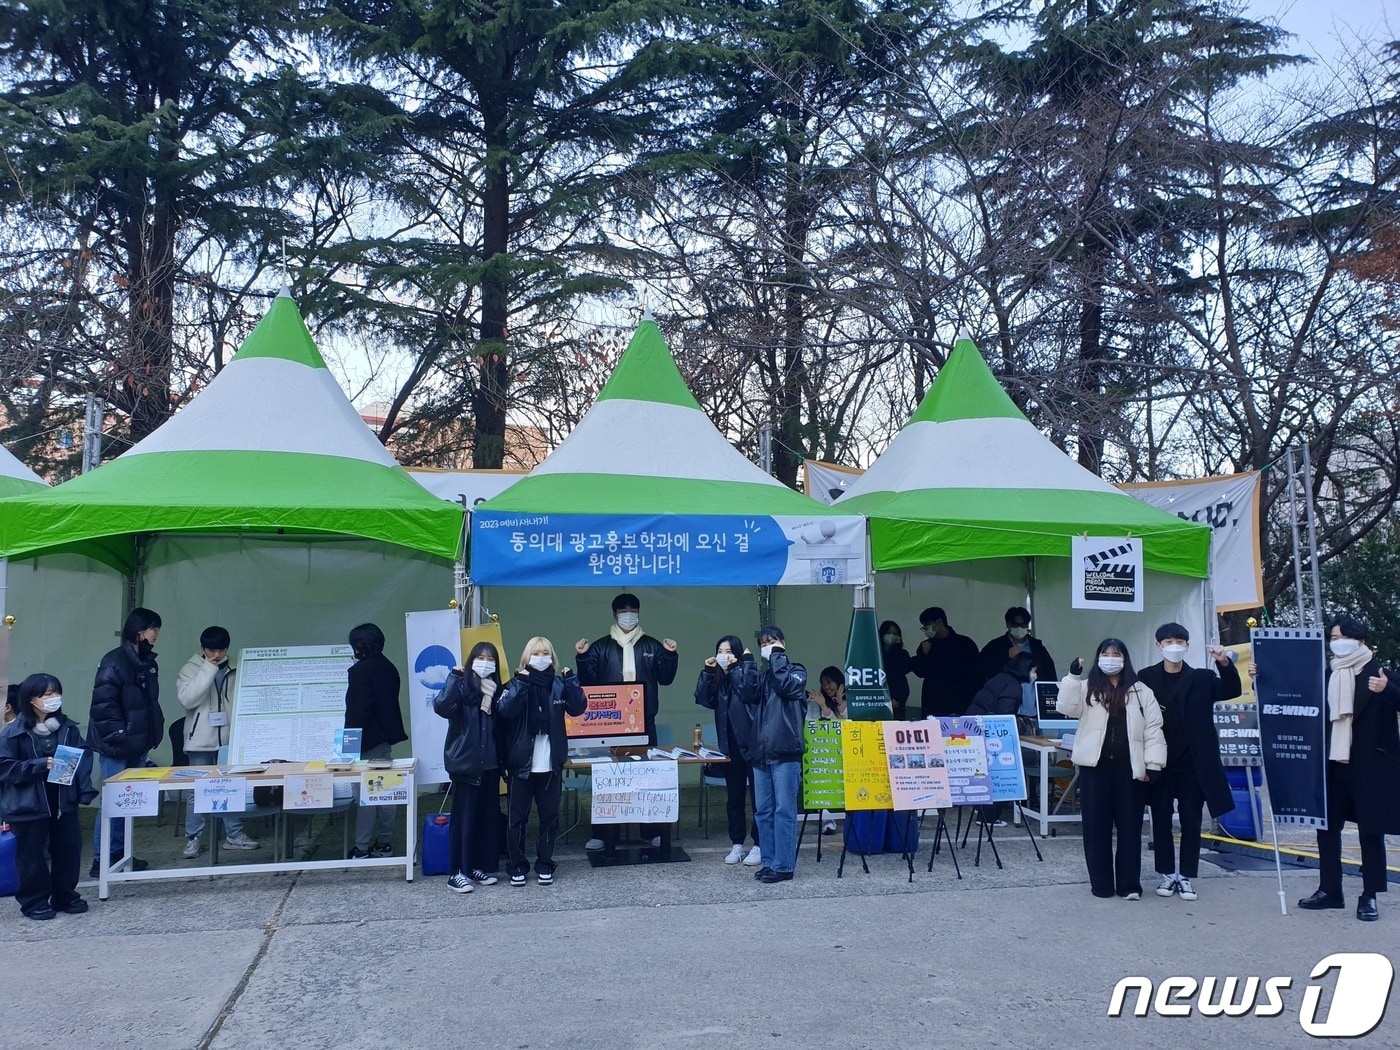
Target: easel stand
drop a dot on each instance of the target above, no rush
(939, 832)
(802, 831)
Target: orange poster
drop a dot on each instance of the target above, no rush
(613, 710)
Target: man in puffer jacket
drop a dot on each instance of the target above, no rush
(204, 688)
(778, 701)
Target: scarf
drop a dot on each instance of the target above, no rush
(627, 639)
(541, 694)
(488, 690)
(1341, 700)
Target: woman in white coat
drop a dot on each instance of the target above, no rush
(1118, 743)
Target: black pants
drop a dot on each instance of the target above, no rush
(48, 852)
(1185, 790)
(476, 816)
(1112, 800)
(543, 790)
(739, 792)
(1340, 809)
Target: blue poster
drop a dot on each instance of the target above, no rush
(1004, 758)
(664, 550)
(1292, 699)
(965, 758)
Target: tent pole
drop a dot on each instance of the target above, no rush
(8, 624)
(463, 591)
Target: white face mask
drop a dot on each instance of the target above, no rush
(627, 620)
(51, 704)
(766, 651)
(1110, 664)
(1174, 653)
(484, 668)
(1019, 633)
(724, 659)
(889, 639)
(540, 663)
(1344, 646)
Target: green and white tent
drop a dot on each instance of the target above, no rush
(272, 445)
(15, 478)
(646, 490)
(969, 477)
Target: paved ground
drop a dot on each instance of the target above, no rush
(682, 955)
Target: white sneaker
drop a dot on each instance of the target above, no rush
(1132, 896)
(1187, 891)
(193, 847)
(656, 841)
(241, 842)
(593, 844)
(736, 854)
(1167, 886)
(754, 859)
(828, 828)
(459, 883)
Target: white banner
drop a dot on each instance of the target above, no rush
(825, 482)
(220, 795)
(1230, 506)
(290, 702)
(131, 798)
(645, 792)
(1106, 573)
(434, 648)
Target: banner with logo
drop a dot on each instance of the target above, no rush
(1237, 727)
(434, 648)
(827, 482)
(1292, 701)
(867, 693)
(1106, 573)
(1230, 506)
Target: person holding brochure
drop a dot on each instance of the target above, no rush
(42, 804)
(372, 706)
(1194, 776)
(536, 747)
(777, 700)
(1363, 768)
(204, 688)
(719, 688)
(1118, 744)
(469, 754)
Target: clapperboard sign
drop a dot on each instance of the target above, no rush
(1237, 726)
(1107, 573)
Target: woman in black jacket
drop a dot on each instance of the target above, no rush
(372, 706)
(125, 719)
(718, 688)
(896, 660)
(1003, 692)
(536, 748)
(44, 815)
(469, 754)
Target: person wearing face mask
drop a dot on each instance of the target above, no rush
(777, 699)
(1363, 768)
(204, 688)
(1194, 776)
(532, 716)
(947, 662)
(470, 756)
(372, 706)
(1017, 640)
(125, 720)
(1117, 745)
(896, 663)
(1002, 695)
(44, 816)
(628, 655)
(718, 689)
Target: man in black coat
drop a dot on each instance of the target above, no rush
(626, 654)
(947, 662)
(1017, 640)
(1194, 776)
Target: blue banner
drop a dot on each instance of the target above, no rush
(664, 550)
(1004, 758)
(1292, 698)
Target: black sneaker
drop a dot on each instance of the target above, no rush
(39, 914)
(359, 854)
(74, 907)
(382, 849)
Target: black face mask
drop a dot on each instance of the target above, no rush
(144, 648)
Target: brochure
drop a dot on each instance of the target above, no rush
(65, 764)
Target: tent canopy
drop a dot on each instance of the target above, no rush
(272, 445)
(646, 467)
(15, 478)
(970, 477)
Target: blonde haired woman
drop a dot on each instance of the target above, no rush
(532, 716)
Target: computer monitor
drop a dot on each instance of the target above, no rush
(1049, 721)
(615, 717)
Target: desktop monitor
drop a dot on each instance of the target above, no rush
(1049, 721)
(615, 717)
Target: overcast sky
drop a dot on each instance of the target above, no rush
(1317, 24)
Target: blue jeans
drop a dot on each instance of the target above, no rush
(111, 767)
(776, 786)
(194, 822)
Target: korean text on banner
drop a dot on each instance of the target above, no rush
(434, 648)
(221, 795)
(1237, 728)
(645, 792)
(867, 691)
(1004, 763)
(917, 768)
(383, 788)
(1106, 573)
(823, 783)
(1292, 699)
(291, 700)
(124, 798)
(965, 757)
(866, 770)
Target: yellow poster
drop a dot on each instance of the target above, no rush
(866, 768)
(489, 632)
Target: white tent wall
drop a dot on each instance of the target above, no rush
(975, 595)
(291, 591)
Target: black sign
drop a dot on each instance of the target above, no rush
(1292, 703)
(1237, 726)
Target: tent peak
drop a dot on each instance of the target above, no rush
(281, 334)
(648, 372)
(965, 389)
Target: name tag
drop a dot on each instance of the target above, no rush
(218, 719)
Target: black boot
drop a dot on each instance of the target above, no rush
(1366, 909)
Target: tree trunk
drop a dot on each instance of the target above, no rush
(489, 400)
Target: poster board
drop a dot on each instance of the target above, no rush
(1106, 573)
(866, 767)
(823, 769)
(636, 792)
(290, 701)
(1292, 705)
(917, 765)
(1004, 762)
(1237, 728)
(614, 713)
(965, 759)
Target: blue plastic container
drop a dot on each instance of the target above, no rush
(1239, 822)
(9, 874)
(902, 832)
(865, 830)
(435, 844)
